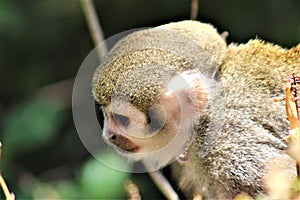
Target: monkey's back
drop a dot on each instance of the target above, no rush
(252, 75)
(236, 156)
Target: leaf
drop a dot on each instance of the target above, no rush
(31, 125)
(100, 181)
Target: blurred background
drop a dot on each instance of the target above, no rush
(42, 45)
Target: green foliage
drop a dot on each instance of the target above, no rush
(68, 190)
(11, 19)
(100, 181)
(31, 125)
(45, 190)
(296, 188)
(95, 181)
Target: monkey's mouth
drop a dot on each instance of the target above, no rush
(128, 150)
(124, 144)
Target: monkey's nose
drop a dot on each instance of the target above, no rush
(112, 137)
(122, 142)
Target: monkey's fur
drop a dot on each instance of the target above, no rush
(228, 158)
(156, 47)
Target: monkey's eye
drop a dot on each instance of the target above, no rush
(157, 119)
(121, 119)
(155, 125)
(99, 113)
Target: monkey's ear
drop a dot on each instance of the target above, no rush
(190, 89)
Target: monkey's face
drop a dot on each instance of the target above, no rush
(167, 125)
(133, 131)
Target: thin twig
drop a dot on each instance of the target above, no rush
(132, 190)
(8, 195)
(194, 9)
(94, 26)
(162, 183)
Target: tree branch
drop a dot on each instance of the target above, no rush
(8, 195)
(94, 26)
(194, 9)
(162, 183)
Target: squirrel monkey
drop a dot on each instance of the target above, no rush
(179, 92)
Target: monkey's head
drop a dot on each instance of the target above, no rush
(154, 85)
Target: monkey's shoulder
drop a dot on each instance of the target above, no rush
(259, 65)
(262, 56)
